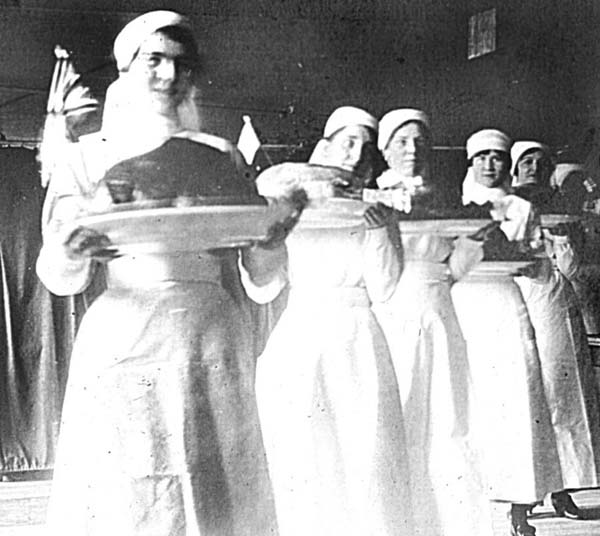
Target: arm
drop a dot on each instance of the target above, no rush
(263, 272)
(60, 272)
(564, 256)
(466, 253)
(381, 260)
(65, 264)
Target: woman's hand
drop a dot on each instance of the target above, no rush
(279, 231)
(481, 234)
(84, 242)
(377, 216)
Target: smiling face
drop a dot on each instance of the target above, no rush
(408, 150)
(490, 168)
(534, 167)
(162, 72)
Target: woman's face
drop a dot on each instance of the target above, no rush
(351, 148)
(534, 167)
(162, 71)
(409, 149)
(490, 168)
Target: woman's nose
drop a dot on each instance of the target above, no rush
(356, 152)
(410, 146)
(166, 69)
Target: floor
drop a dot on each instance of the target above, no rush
(23, 507)
(547, 524)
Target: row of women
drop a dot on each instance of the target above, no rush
(404, 385)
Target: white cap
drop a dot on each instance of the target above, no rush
(393, 120)
(488, 139)
(519, 148)
(563, 170)
(346, 116)
(128, 42)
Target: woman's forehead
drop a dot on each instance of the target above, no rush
(411, 128)
(158, 43)
(359, 132)
(491, 152)
(533, 153)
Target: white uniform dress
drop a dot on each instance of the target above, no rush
(514, 425)
(160, 431)
(429, 357)
(566, 365)
(327, 393)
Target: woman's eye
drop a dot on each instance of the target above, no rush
(153, 61)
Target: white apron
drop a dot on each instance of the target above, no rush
(429, 357)
(513, 421)
(568, 376)
(160, 431)
(327, 394)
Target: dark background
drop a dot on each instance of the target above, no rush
(288, 63)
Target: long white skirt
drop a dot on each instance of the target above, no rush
(513, 424)
(331, 419)
(429, 357)
(568, 376)
(160, 433)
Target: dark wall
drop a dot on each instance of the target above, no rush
(290, 62)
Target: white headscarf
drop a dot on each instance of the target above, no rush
(127, 124)
(487, 139)
(393, 120)
(134, 33)
(518, 149)
(515, 213)
(405, 186)
(129, 128)
(346, 116)
(562, 171)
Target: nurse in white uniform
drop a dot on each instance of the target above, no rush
(514, 422)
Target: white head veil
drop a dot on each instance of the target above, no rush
(518, 149)
(125, 118)
(388, 125)
(488, 139)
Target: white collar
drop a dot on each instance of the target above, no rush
(390, 178)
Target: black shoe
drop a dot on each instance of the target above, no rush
(522, 529)
(564, 506)
(518, 521)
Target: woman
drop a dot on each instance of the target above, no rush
(514, 426)
(160, 432)
(427, 346)
(326, 389)
(560, 335)
(575, 188)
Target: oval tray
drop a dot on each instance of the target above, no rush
(333, 212)
(551, 220)
(491, 268)
(443, 227)
(156, 230)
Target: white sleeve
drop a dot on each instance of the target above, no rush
(382, 265)
(63, 203)
(59, 274)
(263, 272)
(565, 258)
